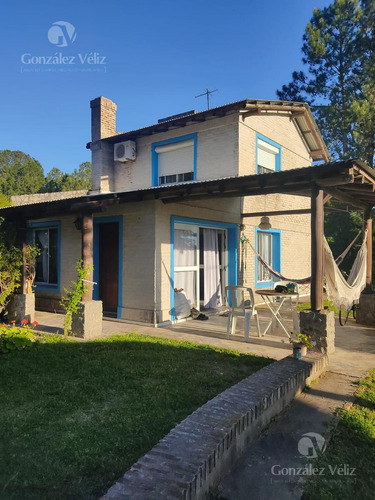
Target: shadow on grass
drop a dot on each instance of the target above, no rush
(77, 415)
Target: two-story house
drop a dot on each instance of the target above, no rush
(150, 237)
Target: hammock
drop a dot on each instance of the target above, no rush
(344, 293)
(300, 281)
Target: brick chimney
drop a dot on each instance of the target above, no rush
(103, 124)
(103, 118)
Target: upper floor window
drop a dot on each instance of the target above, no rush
(268, 155)
(46, 237)
(174, 160)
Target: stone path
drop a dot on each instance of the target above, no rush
(258, 475)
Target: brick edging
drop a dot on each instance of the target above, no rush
(196, 453)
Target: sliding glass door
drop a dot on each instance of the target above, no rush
(200, 264)
(186, 261)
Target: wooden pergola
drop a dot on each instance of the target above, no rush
(350, 182)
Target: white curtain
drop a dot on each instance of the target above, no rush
(265, 250)
(212, 285)
(185, 255)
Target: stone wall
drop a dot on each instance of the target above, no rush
(29, 199)
(200, 450)
(320, 326)
(366, 310)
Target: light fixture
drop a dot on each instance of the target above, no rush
(264, 223)
(78, 223)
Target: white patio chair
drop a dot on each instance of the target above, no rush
(289, 305)
(240, 306)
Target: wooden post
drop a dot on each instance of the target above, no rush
(368, 225)
(87, 251)
(24, 265)
(317, 233)
(21, 244)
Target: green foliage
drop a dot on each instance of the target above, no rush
(339, 80)
(339, 239)
(57, 180)
(11, 261)
(366, 390)
(22, 174)
(304, 340)
(352, 443)
(19, 173)
(74, 295)
(4, 201)
(76, 415)
(15, 338)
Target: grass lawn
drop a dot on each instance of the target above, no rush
(76, 415)
(352, 443)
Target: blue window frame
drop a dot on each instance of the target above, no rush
(173, 177)
(232, 248)
(47, 237)
(268, 245)
(268, 155)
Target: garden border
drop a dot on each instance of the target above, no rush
(195, 455)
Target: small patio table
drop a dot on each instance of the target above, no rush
(274, 307)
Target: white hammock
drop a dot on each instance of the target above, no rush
(343, 293)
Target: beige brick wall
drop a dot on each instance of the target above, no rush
(280, 129)
(295, 229)
(217, 153)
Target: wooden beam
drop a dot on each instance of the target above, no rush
(368, 225)
(326, 198)
(87, 251)
(299, 211)
(317, 233)
(183, 196)
(296, 114)
(255, 111)
(335, 193)
(339, 180)
(270, 213)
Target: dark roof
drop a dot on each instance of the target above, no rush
(300, 111)
(351, 181)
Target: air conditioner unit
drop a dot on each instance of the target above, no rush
(125, 151)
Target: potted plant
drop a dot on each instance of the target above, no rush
(301, 344)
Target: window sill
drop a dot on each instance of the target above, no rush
(264, 284)
(45, 287)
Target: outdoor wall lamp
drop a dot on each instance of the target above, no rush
(264, 223)
(78, 223)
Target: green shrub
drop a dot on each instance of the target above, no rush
(15, 338)
(74, 294)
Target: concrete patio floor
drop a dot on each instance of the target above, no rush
(355, 344)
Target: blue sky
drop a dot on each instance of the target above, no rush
(158, 56)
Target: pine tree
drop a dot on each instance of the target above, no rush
(337, 50)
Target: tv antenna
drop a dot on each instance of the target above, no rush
(208, 95)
